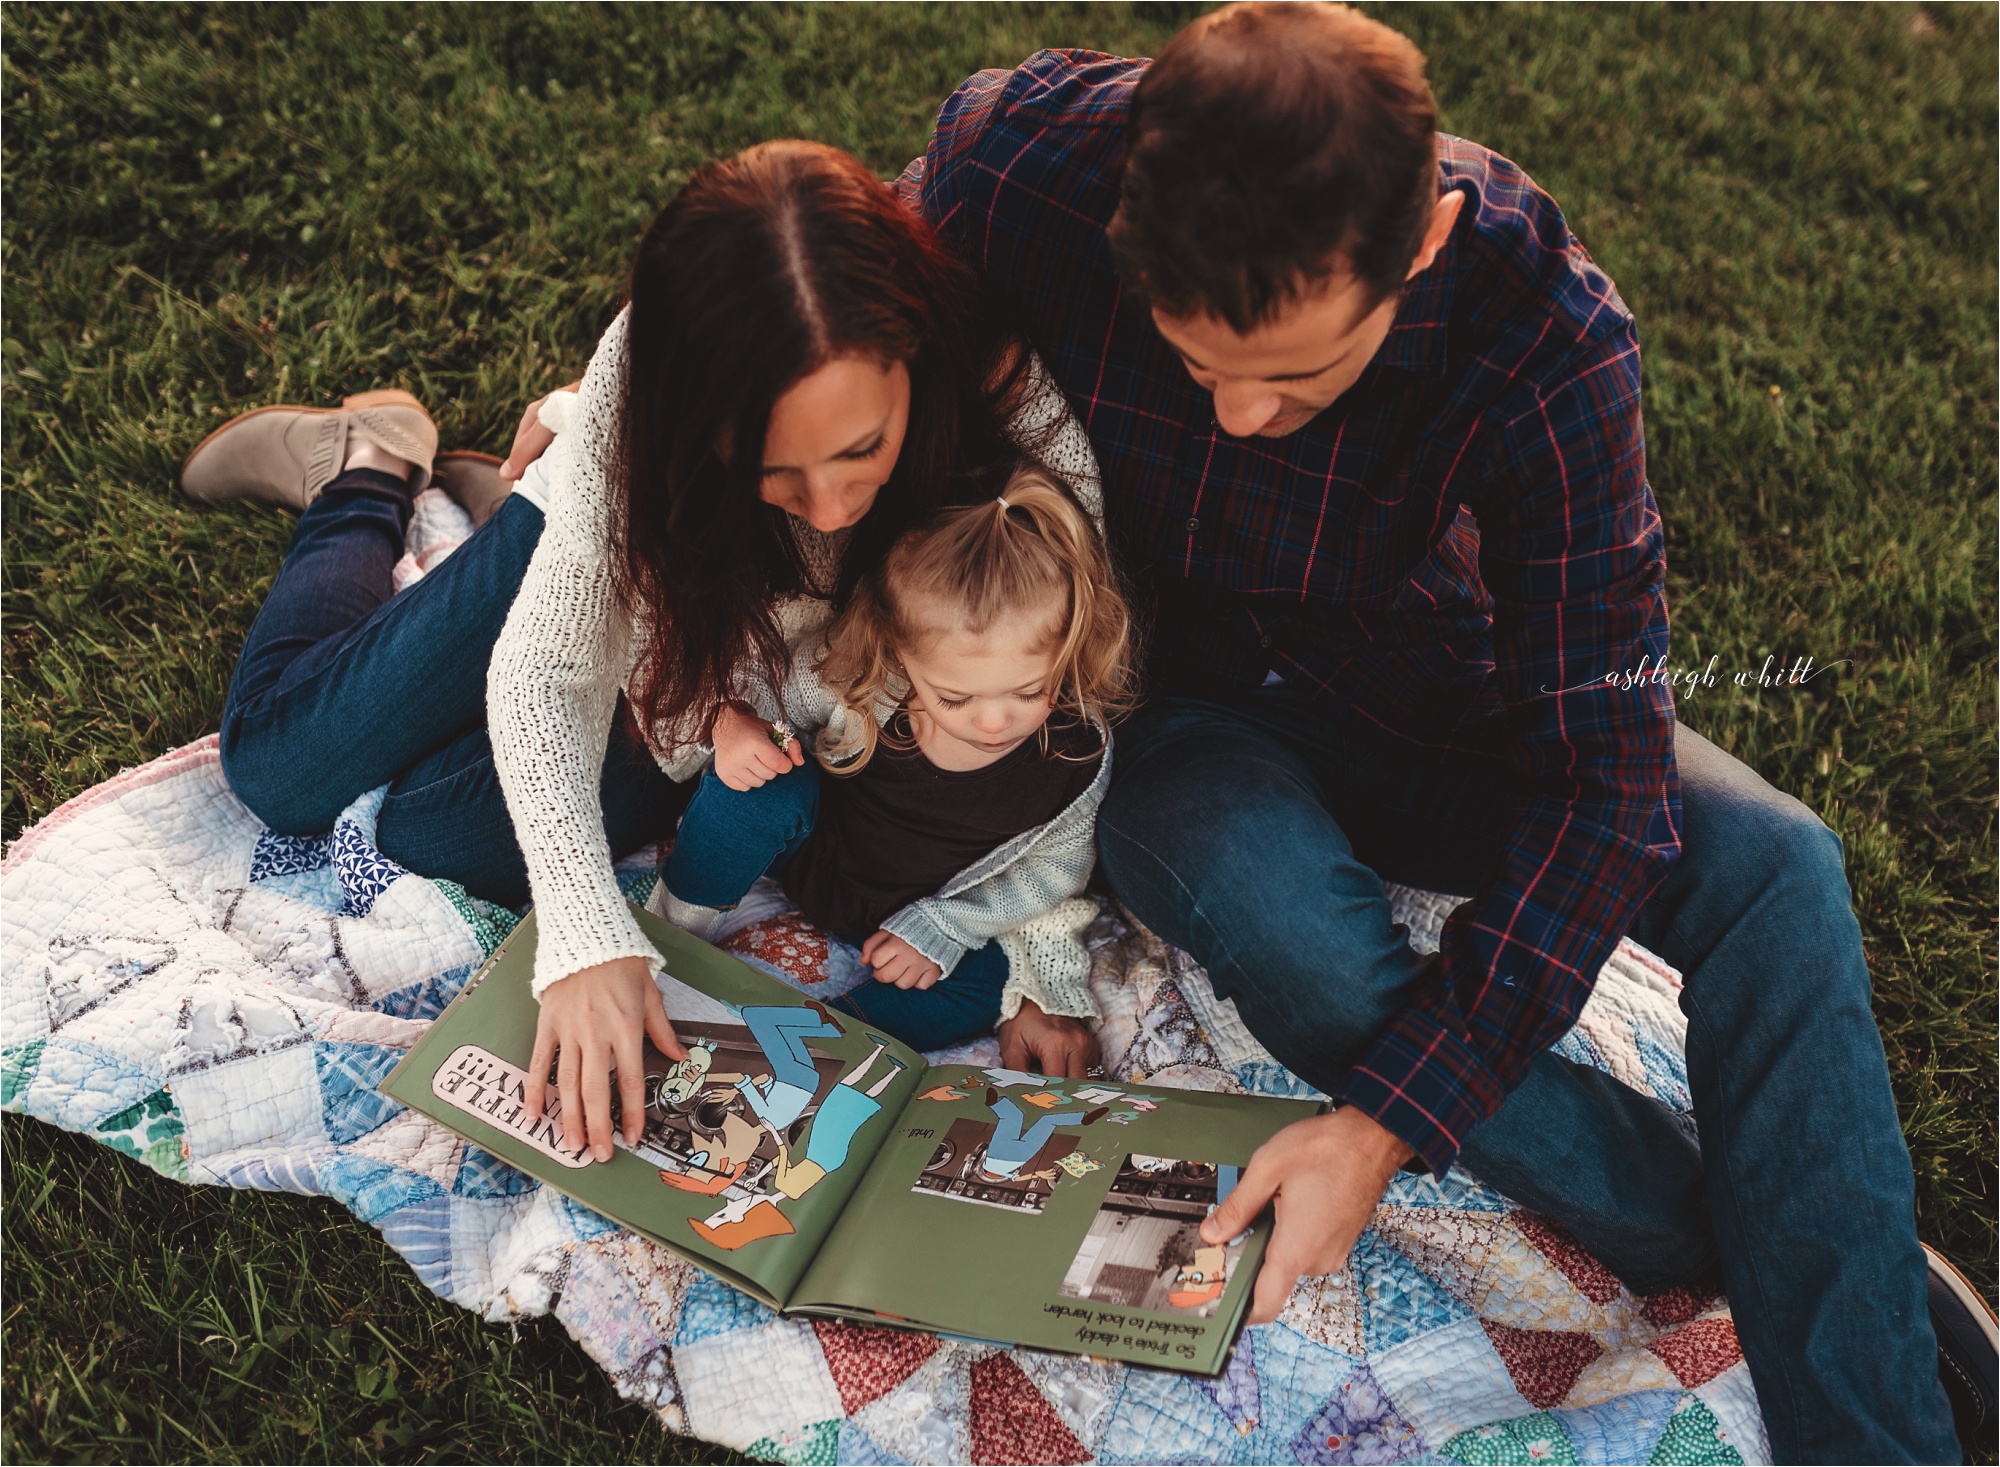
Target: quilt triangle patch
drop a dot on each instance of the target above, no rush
(813, 1445)
(1399, 1301)
(1012, 1422)
(287, 855)
(1524, 1440)
(151, 1131)
(1236, 1392)
(1358, 1423)
(17, 1068)
(1451, 1245)
(867, 1364)
(1328, 1311)
(788, 943)
(1694, 1436)
(1543, 1363)
(1697, 1353)
(1592, 1279)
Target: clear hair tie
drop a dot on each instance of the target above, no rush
(1004, 505)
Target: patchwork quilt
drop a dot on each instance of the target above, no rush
(218, 1001)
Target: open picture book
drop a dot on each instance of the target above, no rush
(825, 1169)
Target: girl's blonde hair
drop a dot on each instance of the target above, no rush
(1029, 552)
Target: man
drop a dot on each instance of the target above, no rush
(1368, 417)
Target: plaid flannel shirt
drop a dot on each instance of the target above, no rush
(1448, 560)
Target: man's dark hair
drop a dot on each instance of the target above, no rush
(1270, 146)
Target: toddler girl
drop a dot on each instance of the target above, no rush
(961, 706)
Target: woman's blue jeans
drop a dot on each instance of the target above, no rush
(343, 686)
(1246, 833)
(729, 838)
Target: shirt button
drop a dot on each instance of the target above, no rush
(1193, 525)
(1265, 640)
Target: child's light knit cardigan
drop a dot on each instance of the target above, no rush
(568, 649)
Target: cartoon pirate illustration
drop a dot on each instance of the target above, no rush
(846, 1109)
(1014, 1144)
(779, 1099)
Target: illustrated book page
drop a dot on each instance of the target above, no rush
(751, 1145)
(1061, 1214)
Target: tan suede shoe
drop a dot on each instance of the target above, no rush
(286, 455)
(473, 479)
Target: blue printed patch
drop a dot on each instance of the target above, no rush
(1358, 1423)
(425, 999)
(372, 1189)
(319, 888)
(282, 855)
(365, 872)
(587, 1224)
(1623, 1429)
(1666, 1072)
(1268, 1077)
(1236, 1392)
(713, 1308)
(1455, 1190)
(482, 1174)
(1399, 1300)
(422, 1234)
(1577, 1048)
(350, 1105)
(858, 1449)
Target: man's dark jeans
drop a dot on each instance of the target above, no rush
(344, 686)
(1244, 832)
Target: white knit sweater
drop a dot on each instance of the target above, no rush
(568, 649)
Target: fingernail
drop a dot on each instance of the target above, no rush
(507, 471)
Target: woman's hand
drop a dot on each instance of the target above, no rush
(1048, 1044)
(745, 756)
(592, 1023)
(895, 961)
(531, 439)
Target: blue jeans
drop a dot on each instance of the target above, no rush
(343, 686)
(729, 838)
(1248, 834)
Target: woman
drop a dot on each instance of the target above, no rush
(802, 373)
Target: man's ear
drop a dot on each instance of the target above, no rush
(1444, 214)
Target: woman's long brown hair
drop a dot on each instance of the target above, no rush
(764, 268)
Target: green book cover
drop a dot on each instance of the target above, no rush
(823, 1168)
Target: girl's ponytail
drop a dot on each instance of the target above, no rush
(1032, 552)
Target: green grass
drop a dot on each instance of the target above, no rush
(205, 210)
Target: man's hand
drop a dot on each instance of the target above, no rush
(1048, 1044)
(745, 757)
(531, 439)
(1324, 1176)
(895, 961)
(593, 1022)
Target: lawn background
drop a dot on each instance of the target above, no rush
(210, 209)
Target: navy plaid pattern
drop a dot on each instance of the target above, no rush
(1448, 560)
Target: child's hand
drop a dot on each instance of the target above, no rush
(895, 961)
(1047, 1044)
(745, 756)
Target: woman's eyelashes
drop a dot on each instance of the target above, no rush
(853, 454)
